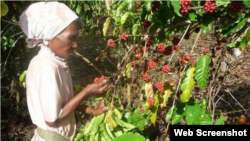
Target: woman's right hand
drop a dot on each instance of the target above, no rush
(97, 88)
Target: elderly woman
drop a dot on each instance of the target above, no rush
(51, 103)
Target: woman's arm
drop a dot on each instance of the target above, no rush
(75, 101)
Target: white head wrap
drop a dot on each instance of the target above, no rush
(42, 21)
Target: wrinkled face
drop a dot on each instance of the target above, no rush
(65, 43)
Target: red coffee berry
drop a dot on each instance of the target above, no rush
(236, 6)
(137, 5)
(197, 29)
(168, 50)
(175, 40)
(205, 51)
(155, 6)
(111, 43)
(151, 101)
(152, 64)
(161, 48)
(209, 6)
(124, 37)
(176, 49)
(146, 23)
(160, 87)
(146, 77)
(166, 68)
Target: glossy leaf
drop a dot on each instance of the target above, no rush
(177, 6)
(124, 17)
(105, 26)
(179, 113)
(202, 71)
(169, 115)
(147, 4)
(121, 8)
(205, 119)
(187, 85)
(193, 113)
(221, 120)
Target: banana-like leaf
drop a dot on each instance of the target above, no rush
(187, 85)
(202, 71)
(163, 99)
(105, 26)
(111, 122)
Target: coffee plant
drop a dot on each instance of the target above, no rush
(160, 77)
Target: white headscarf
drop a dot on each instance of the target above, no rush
(42, 21)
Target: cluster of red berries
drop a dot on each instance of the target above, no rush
(146, 23)
(166, 68)
(161, 48)
(185, 6)
(236, 6)
(185, 58)
(100, 79)
(175, 40)
(209, 6)
(160, 86)
(155, 6)
(146, 77)
(124, 36)
(151, 101)
(152, 64)
(168, 50)
(111, 43)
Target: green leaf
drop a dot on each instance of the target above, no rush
(147, 4)
(169, 115)
(130, 5)
(187, 85)
(105, 26)
(239, 25)
(154, 27)
(124, 17)
(221, 120)
(177, 7)
(246, 3)
(130, 137)
(179, 113)
(95, 125)
(205, 119)
(21, 78)
(79, 9)
(134, 30)
(193, 113)
(202, 71)
(204, 106)
(165, 13)
(154, 109)
(120, 8)
(143, 14)
(222, 3)
(4, 9)
(192, 16)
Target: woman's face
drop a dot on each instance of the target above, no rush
(65, 43)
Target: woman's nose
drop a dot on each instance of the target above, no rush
(75, 45)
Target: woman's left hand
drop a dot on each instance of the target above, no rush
(101, 108)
